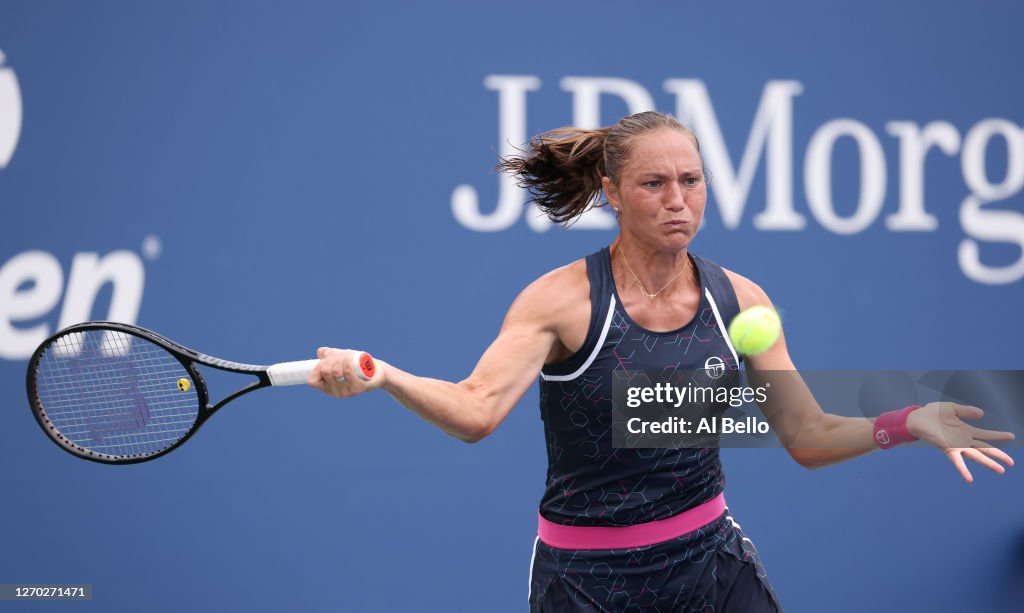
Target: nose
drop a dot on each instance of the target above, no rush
(675, 197)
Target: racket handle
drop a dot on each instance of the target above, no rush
(296, 373)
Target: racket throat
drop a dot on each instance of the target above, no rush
(255, 385)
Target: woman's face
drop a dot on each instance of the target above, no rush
(661, 191)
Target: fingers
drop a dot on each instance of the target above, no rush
(336, 373)
(984, 460)
(981, 455)
(332, 368)
(348, 367)
(959, 433)
(965, 411)
(954, 456)
(332, 364)
(992, 435)
(315, 380)
(994, 452)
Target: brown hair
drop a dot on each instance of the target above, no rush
(563, 168)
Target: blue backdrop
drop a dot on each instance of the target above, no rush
(257, 179)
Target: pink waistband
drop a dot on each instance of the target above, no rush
(626, 537)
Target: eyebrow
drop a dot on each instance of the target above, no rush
(661, 175)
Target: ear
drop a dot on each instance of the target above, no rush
(611, 192)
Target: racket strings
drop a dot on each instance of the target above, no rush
(115, 394)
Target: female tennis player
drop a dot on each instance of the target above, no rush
(637, 529)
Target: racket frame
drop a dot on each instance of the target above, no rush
(189, 360)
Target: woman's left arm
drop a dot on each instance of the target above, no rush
(816, 439)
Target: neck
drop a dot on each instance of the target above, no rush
(658, 272)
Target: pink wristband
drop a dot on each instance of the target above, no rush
(891, 428)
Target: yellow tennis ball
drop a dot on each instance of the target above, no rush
(755, 330)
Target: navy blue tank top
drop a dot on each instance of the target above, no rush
(591, 483)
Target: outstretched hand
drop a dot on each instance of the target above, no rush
(338, 364)
(942, 425)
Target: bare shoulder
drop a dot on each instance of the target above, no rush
(748, 293)
(557, 304)
(555, 296)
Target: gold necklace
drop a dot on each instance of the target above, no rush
(643, 290)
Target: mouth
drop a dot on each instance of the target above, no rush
(676, 224)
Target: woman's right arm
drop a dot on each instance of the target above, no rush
(474, 407)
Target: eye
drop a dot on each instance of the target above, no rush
(652, 184)
(691, 182)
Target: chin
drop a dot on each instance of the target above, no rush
(676, 241)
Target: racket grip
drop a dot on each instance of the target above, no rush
(296, 373)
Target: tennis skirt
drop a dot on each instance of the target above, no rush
(713, 569)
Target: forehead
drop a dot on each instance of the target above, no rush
(664, 150)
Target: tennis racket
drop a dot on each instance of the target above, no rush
(121, 394)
